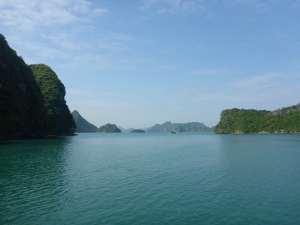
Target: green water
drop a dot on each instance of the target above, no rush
(151, 179)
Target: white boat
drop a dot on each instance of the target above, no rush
(173, 132)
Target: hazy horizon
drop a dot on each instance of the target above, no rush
(142, 62)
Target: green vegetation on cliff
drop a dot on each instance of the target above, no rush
(285, 120)
(59, 119)
(82, 125)
(109, 128)
(31, 104)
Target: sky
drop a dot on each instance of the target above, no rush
(137, 63)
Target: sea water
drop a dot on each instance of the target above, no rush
(151, 178)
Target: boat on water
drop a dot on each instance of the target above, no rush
(173, 132)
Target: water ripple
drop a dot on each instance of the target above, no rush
(151, 179)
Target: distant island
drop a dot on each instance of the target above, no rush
(179, 127)
(285, 120)
(82, 125)
(137, 131)
(109, 128)
(32, 99)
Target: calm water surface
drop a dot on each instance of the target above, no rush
(151, 179)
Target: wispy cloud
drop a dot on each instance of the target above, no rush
(30, 14)
(39, 52)
(65, 40)
(262, 81)
(170, 3)
(263, 6)
(101, 52)
(108, 41)
(273, 88)
(213, 72)
(177, 6)
(113, 41)
(98, 61)
(64, 29)
(262, 91)
(254, 3)
(207, 8)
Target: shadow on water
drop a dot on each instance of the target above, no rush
(32, 178)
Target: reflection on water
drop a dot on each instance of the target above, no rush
(151, 179)
(31, 173)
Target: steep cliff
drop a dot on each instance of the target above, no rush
(21, 102)
(285, 120)
(82, 125)
(31, 105)
(59, 120)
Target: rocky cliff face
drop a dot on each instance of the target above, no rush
(28, 101)
(58, 116)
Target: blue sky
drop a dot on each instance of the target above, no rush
(141, 62)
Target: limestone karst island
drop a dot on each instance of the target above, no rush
(33, 105)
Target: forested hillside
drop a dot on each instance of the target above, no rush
(285, 120)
